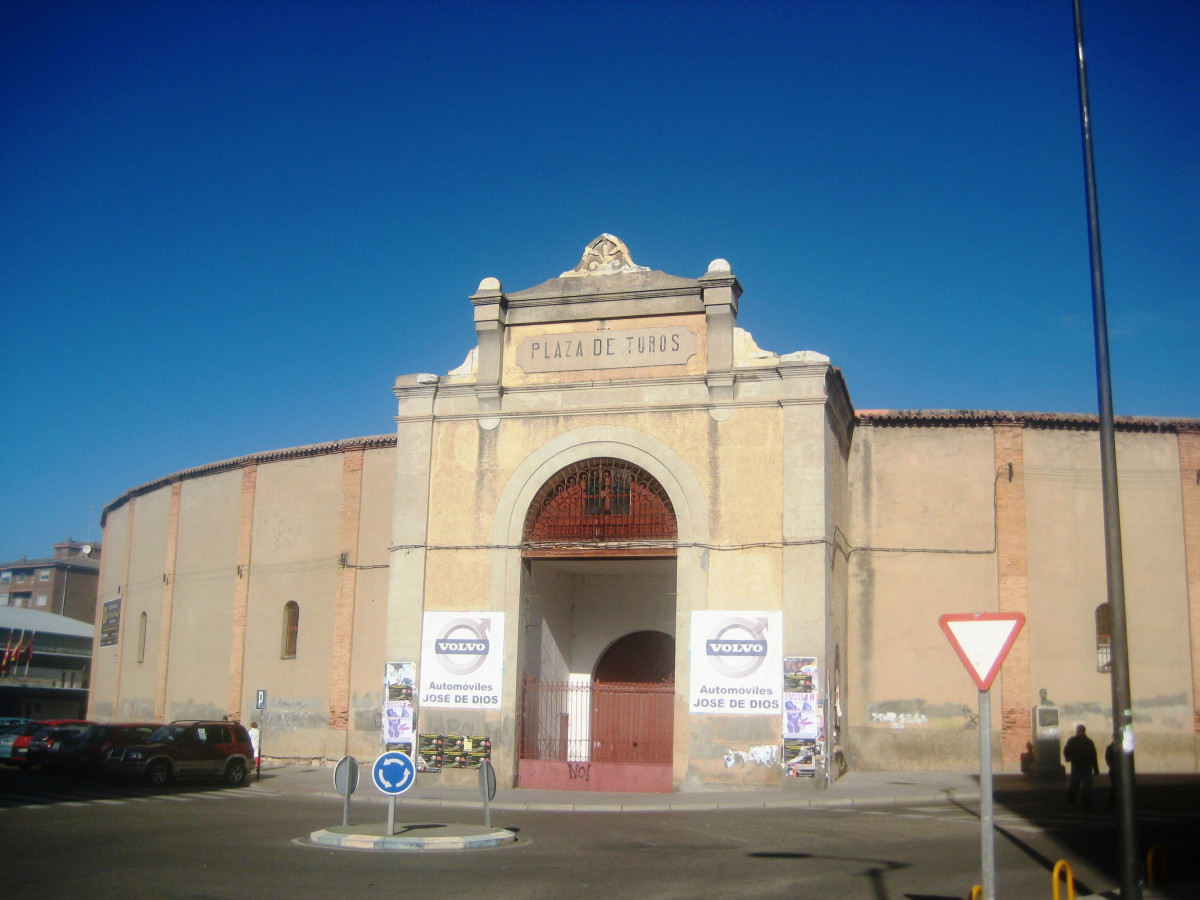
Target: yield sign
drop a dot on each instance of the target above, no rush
(982, 640)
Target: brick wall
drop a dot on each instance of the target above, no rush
(1013, 589)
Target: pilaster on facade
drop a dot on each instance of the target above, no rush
(416, 395)
(121, 592)
(241, 593)
(1012, 580)
(1189, 485)
(720, 291)
(342, 641)
(491, 309)
(168, 603)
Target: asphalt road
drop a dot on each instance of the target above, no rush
(64, 837)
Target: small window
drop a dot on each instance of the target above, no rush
(1103, 639)
(20, 578)
(6, 575)
(42, 600)
(44, 575)
(141, 648)
(4, 599)
(291, 629)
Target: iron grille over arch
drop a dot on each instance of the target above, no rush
(588, 507)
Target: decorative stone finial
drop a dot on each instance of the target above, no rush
(489, 284)
(719, 267)
(606, 255)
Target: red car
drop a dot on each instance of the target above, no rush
(19, 751)
(87, 750)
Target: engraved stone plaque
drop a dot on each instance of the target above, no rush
(635, 348)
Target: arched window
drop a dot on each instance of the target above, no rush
(1103, 639)
(601, 502)
(141, 650)
(291, 629)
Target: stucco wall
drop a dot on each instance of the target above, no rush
(202, 600)
(364, 739)
(923, 533)
(1067, 582)
(143, 594)
(105, 675)
(922, 514)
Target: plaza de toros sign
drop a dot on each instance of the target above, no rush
(575, 351)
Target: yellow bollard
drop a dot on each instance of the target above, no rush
(976, 892)
(1063, 866)
(1154, 851)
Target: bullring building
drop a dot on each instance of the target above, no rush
(622, 547)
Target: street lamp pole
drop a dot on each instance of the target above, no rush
(1122, 705)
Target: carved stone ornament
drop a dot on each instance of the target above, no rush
(606, 255)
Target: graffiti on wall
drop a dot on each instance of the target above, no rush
(764, 755)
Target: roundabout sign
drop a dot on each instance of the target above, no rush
(393, 773)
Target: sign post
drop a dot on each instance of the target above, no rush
(487, 787)
(982, 641)
(393, 773)
(345, 780)
(260, 703)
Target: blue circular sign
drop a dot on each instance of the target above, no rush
(393, 772)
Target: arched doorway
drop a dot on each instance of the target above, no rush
(598, 607)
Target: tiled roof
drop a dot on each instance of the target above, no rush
(360, 443)
(1085, 421)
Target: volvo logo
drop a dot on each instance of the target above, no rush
(737, 647)
(463, 646)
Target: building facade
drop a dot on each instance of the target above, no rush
(623, 547)
(64, 584)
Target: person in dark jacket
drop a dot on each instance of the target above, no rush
(1080, 752)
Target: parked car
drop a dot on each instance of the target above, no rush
(9, 737)
(12, 724)
(44, 742)
(188, 749)
(85, 752)
(14, 747)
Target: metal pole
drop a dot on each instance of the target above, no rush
(987, 843)
(391, 825)
(1121, 696)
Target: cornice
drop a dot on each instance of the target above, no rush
(374, 442)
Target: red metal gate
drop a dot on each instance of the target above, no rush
(610, 736)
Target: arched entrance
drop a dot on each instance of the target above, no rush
(598, 613)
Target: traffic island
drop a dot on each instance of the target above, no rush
(412, 838)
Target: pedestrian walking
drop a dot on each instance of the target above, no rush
(1080, 752)
(253, 732)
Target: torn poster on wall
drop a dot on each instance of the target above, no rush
(397, 718)
(803, 720)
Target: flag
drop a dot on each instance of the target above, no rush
(27, 653)
(7, 652)
(11, 655)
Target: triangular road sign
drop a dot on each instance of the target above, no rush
(982, 640)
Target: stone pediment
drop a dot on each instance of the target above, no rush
(607, 268)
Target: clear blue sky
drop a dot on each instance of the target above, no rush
(228, 226)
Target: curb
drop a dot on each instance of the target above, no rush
(372, 837)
